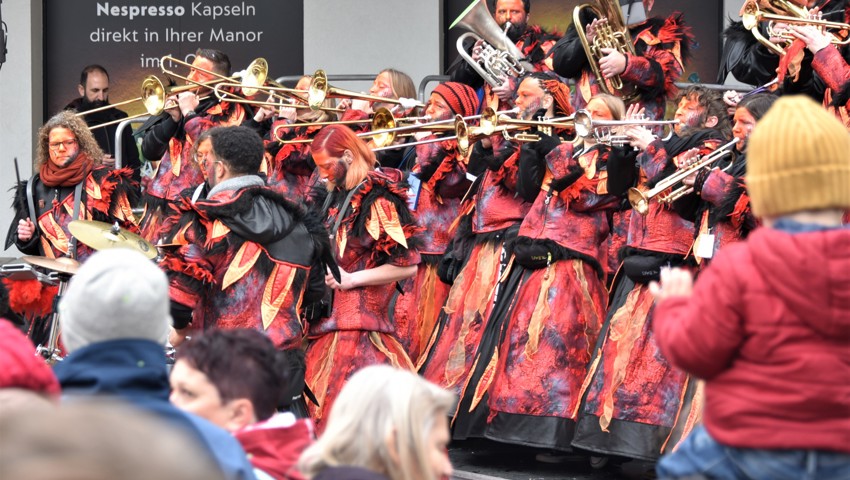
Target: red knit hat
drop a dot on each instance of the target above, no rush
(19, 365)
(461, 98)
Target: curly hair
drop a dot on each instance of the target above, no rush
(69, 120)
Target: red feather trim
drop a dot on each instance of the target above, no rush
(191, 270)
(30, 298)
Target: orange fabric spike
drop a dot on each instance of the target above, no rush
(322, 378)
(540, 313)
(626, 326)
(485, 380)
(390, 221)
(277, 288)
(93, 189)
(54, 233)
(789, 64)
(373, 225)
(242, 263)
(341, 240)
(395, 360)
(218, 230)
(175, 150)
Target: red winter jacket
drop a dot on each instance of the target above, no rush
(768, 328)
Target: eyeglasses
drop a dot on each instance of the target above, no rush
(67, 144)
(205, 159)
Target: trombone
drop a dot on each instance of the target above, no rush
(382, 122)
(752, 16)
(320, 90)
(154, 91)
(488, 121)
(152, 97)
(291, 94)
(639, 199)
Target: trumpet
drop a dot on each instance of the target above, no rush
(604, 130)
(752, 16)
(639, 199)
(382, 122)
(320, 90)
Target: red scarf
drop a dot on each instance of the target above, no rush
(53, 175)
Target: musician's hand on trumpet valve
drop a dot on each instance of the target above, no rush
(814, 38)
(685, 160)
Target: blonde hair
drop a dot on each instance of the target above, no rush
(85, 140)
(381, 413)
(615, 105)
(310, 115)
(402, 84)
(335, 140)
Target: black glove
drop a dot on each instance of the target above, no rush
(546, 144)
(181, 315)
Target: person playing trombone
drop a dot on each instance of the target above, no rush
(170, 135)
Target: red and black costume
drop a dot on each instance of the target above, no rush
(442, 172)
(375, 228)
(289, 166)
(631, 392)
(490, 218)
(245, 261)
(173, 143)
(550, 309)
(662, 47)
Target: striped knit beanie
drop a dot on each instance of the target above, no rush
(461, 98)
(798, 158)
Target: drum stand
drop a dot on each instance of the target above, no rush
(50, 352)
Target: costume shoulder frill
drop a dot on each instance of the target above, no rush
(671, 34)
(380, 210)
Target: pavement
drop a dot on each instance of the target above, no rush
(486, 460)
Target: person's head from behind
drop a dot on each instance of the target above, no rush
(63, 139)
(117, 294)
(387, 420)
(747, 113)
(24, 379)
(234, 152)
(233, 378)
(94, 87)
(342, 159)
(98, 440)
(699, 107)
(514, 11)
(798, 163)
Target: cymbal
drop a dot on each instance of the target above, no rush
(61, 265)
(102, 236)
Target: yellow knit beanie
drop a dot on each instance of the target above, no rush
(798, 158)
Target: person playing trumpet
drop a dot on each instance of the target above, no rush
(480, 257)
(631, 392)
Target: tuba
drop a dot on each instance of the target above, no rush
(614, 34)
(499, 57)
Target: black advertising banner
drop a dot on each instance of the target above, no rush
(128, 37)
